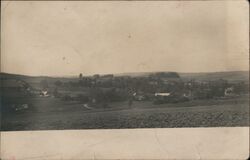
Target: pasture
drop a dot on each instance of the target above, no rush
(52, 113)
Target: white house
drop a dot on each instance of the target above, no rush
(162, 94)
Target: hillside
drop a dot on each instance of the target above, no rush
(35, 80)
(233, 76)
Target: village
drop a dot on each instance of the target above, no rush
(161, 87)
(98, 91)
(158, 99)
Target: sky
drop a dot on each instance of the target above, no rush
(58, 38)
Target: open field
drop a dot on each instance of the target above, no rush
(52, 113)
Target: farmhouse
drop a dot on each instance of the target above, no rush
(162, 94)
(138, 96)
(45, 93)
(229, 92)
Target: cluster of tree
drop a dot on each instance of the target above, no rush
(99, 96)
(160, 75)
(44, 84)
(241, 88)
(108, 81)
(111, 89)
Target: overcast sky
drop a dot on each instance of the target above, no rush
(67, 38)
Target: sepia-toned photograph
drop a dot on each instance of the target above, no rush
(124, 80)
(120, 65)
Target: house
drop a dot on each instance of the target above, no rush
(229, 92)
(138, 96)
(44, 93)
(162, 94)
(188, 94)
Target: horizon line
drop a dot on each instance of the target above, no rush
(119, 73)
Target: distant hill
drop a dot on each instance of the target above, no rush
(8, 75)
(204, 76)
(134, 74)
(233, 76)
(34, 81)
(165, 75)
(146, 74)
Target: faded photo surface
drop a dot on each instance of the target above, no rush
(125, 65)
